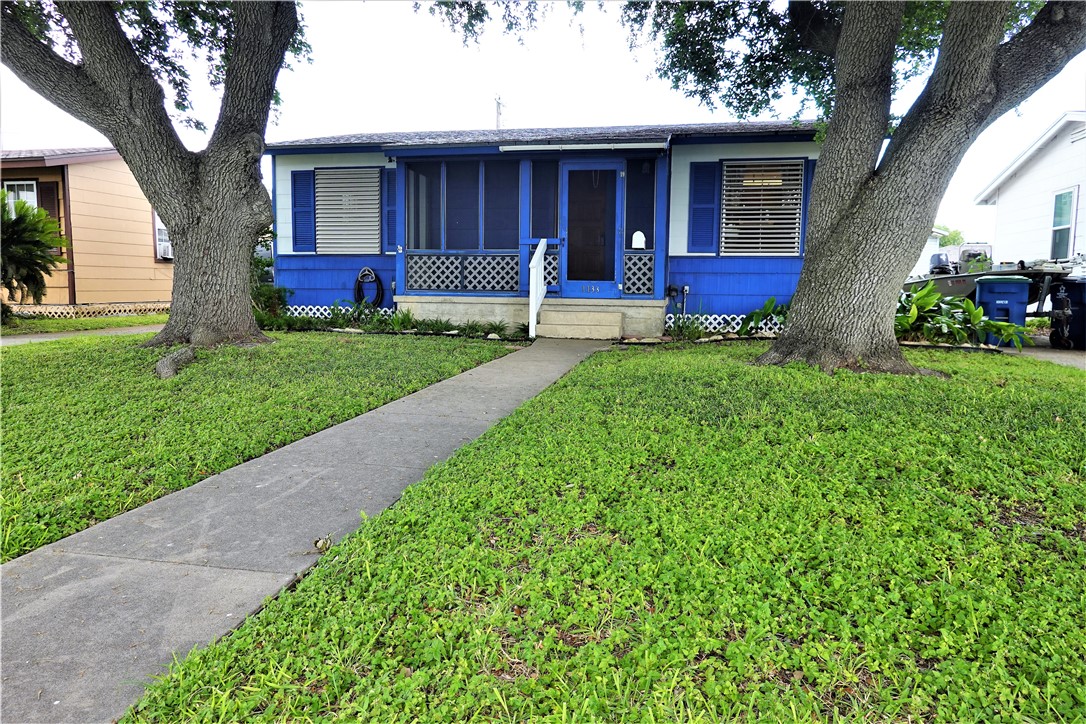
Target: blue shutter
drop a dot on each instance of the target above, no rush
(388, 209)
(303, 199)
(704, 230)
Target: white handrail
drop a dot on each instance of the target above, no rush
(537, 287)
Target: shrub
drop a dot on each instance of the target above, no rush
(753, 322)
(287, 323)
(685, 327)
(28, 239)
(499, 328)
(926, 315)
(402, 320)
(435, 326)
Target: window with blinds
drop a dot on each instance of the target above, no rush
(348, 210)
(761, 207)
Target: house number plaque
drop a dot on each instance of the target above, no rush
(590, 289)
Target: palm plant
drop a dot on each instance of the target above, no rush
(28, 240)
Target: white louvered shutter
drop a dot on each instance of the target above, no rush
(761, 208)
(348, 210)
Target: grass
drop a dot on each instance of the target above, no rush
(678, 536)
(89, 432)
(38, 325)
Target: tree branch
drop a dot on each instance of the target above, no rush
(1038, 53)
(64, 84)
(262, 35)
(817, 30)
(861, 112)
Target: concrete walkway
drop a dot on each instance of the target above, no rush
(11, 339)
(87, 620)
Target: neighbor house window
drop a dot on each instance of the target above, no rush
(21, 191)
(1062, 221)
(761, 208)
(463, 205)
(163, 247)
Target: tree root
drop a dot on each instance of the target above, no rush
(830, 360)
(168, 366)
(205, 339)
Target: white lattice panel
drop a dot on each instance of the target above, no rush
(550, 270)
(637, 273)
(322, 312)
(492, 273)
(82, 311)
(724, 323)
(433, 271)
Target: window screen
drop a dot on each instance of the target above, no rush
(348, 210)
(761, 208)
(424, 206)
(544, 199)
(462, 205)
(640, 199)
(501, 205)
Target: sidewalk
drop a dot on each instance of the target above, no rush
(87, 620)
(12, 339)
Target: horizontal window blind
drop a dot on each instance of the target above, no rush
(348, 210)
(761, 208)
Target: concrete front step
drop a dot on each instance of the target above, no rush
(580, 317)
(578, 331)
(579, 324)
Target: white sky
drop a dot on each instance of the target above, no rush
(380, 66)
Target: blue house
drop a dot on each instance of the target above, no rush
(579, 232)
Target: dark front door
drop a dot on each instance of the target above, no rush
(590, 228)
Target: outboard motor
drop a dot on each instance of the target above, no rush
(940, 264)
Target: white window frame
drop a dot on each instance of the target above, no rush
(348, 209)
(163, 245)
(791, 184)
(15, 193)
(1070, 225)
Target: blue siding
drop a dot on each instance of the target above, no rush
(733, 285)
(323, 279)
(704, 224)
(303, 211)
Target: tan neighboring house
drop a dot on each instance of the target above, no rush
(119, 251)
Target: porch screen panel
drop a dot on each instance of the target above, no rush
(640, 199)
(424, 206)
(761, 208)
(544, 199)
(462, 205)
(501, 204)
(348, 210)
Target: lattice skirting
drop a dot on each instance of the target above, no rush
(82, 311)
(463, 272)
(324, 312)
(724, 323)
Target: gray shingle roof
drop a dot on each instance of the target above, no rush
(515, 136)
(18, 155)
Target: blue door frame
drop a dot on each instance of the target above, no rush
(590, 288)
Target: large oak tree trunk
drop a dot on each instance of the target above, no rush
(869, 218)
(212, 202)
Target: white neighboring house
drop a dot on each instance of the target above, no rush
(1039, 197)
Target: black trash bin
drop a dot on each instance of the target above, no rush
(1068, 298)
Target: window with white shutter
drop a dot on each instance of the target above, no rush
(348, 210)
(761, 208)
